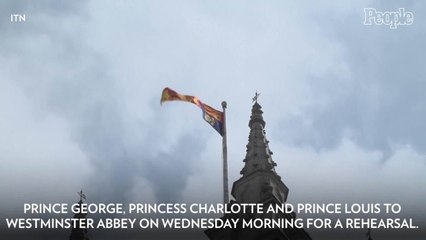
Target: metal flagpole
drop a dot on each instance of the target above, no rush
(225, 158)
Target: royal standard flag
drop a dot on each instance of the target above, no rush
(210, 115)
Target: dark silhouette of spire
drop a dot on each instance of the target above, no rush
(79, 233)
(259, 168)
(259, 183)
(258, 155)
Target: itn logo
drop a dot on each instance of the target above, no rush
(16, 18)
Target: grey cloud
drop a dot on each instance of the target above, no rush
(64, 77)
(380, 101)
(343, 79)
(170, 170)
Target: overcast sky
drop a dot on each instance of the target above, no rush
(80, 85)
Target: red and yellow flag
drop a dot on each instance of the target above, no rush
(212, 116)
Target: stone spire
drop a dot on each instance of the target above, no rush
(259, 183)
(259, 180)
(258, 155)
(79, 233)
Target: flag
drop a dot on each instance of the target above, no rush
(210, 115)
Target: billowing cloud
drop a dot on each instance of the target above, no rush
(80, 88)
(377, 101)
(63, 78)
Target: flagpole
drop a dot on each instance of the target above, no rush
(225, 158)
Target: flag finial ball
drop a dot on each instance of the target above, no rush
(224, 104)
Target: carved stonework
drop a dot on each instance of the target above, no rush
(259, 183)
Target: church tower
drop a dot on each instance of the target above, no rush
(259, 183)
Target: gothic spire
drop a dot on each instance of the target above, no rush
(259, 181)
(258, 155)
(79, 233)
